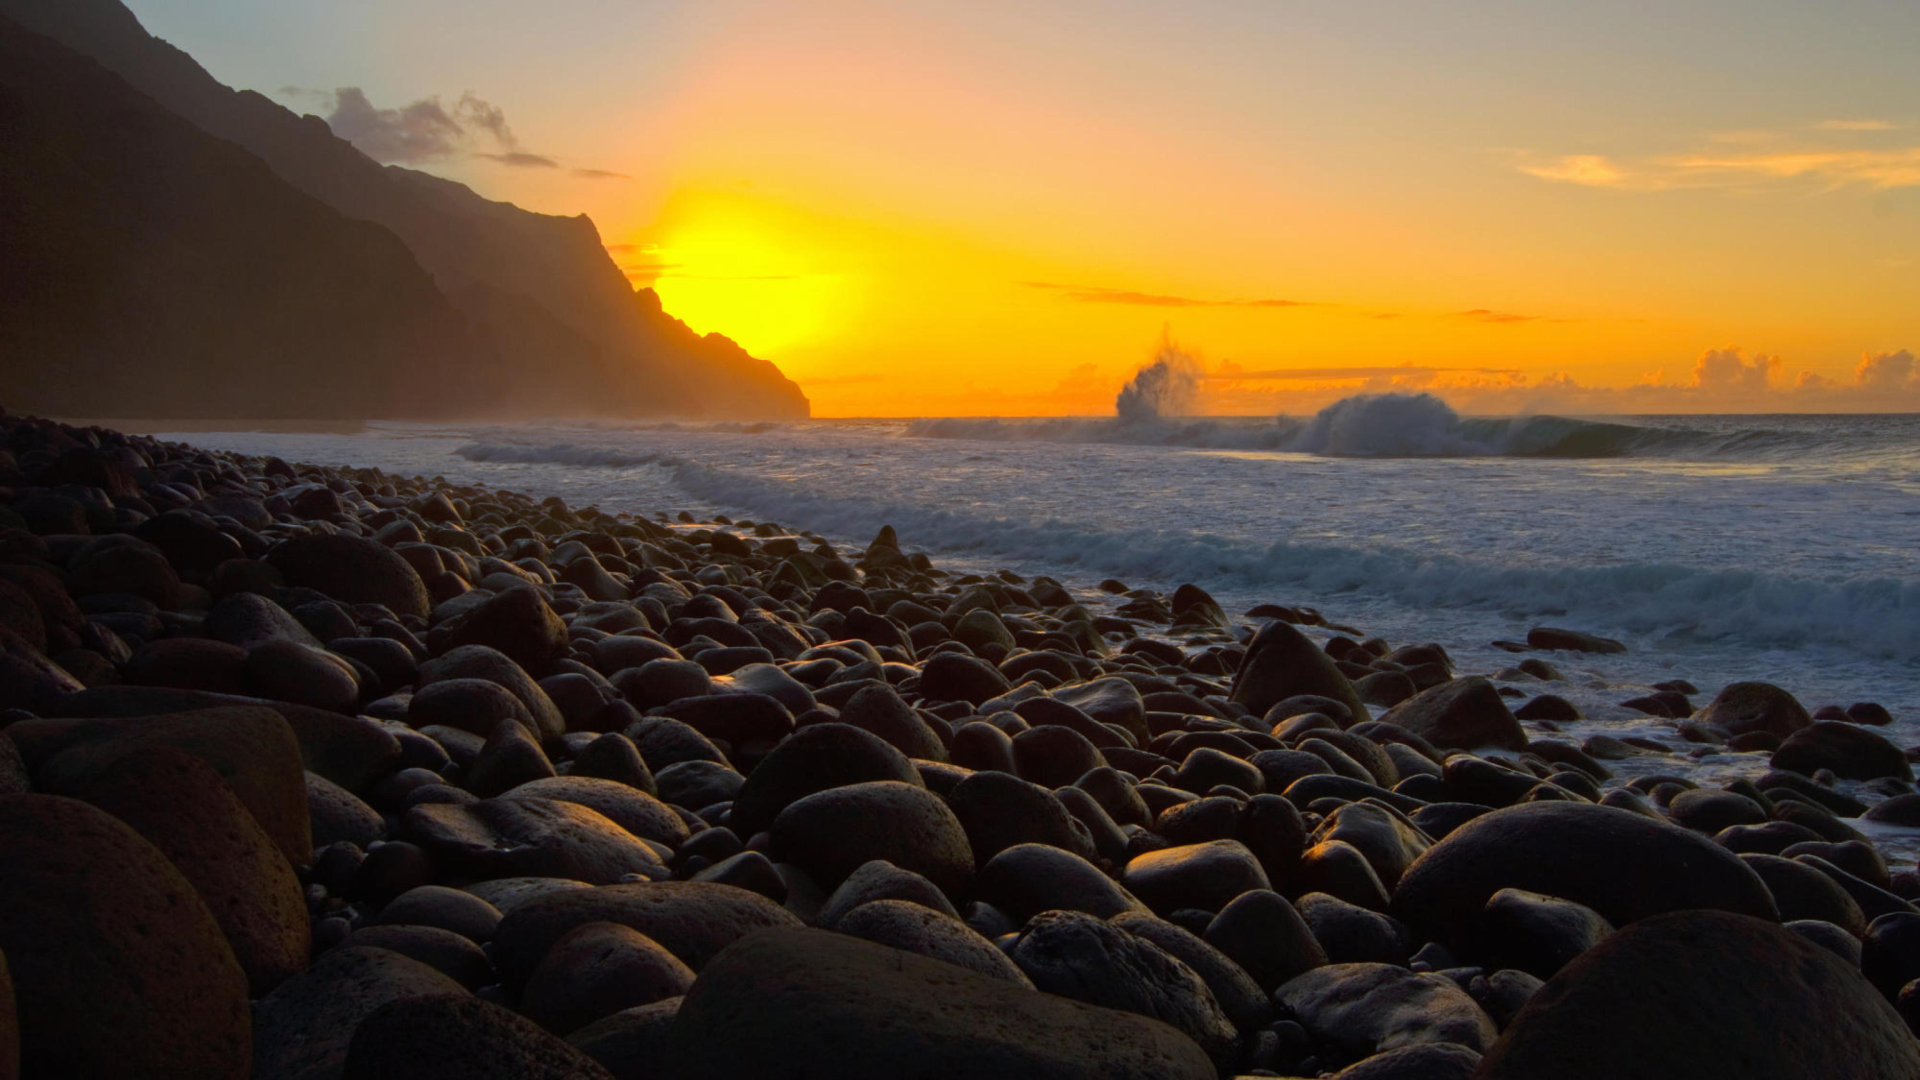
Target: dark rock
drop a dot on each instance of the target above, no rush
(1832, 938)
(1244, 1001)
(661, 681)
(1755, 706)
(289, 671)
(1027, 879)
(826, 1004)
(1847, 750)
(510, 758)
(1705, 993)
(116, 966)
(630, 808)
(447, 1038)
(879, 709)
(1389, 843)
(122, 564)
(482, 662)
(752, 724)
(1548, 707)
(450, 954)
(1109, 701)
(352, 569)
(453, 910)
(1283, 663)
(629, 1043)
(698, 783)
(1623, 866)
(614, 757)
(1339, 869)
(1078, 956)
(694, 920)
(881, 880)
(815, 758)
(182, 807)
(1350, 933)
(596, 969)
(190, 664)
(999, 811)
(1203, 876)
(1357, 1010)
(1261, 932)
(952, 676)
(518, 837)
(1537, 934)
(914, 928)
(473, 705)
(1710, 812)
(1547, 637)
(831, 833)
(1464, 714)
(1504, 993)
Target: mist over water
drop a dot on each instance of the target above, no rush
(1166, 387)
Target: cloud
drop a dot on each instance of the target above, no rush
(1886, 371)
(1487, 316)
(1856, 125)
(1727, 369)
(1230, 370)
(520, 159)
(1589, 170)
(1096, 295)
(600, 174)
(646, 271)
(1879, 169)
(424, 131)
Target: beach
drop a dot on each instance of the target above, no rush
(453, 776)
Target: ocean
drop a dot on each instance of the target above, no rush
(1718, 548)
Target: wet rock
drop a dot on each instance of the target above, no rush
(1339, 869)
(633, 810)
(1705, 993)
(999, 811)
(881, 880)
(952, 676)
(1358, 1010)
(1078, 956)
(1244, 1001)
(446, 1038)
(828, 1004)
(1282, 663)
(596, 969)
(519, 837)
(699, 783)
(1389, 843)
(483, 662)
(816, 758)
(1464, 714)
(1054, 756)
(1548, 637)
(1847, 750)
(879, 709)
(1537, 934)
(352, 569)
(116, 966)
(1263, 933)
(1027, 879)
(1109, 701)
(1350, 933)
(1755, 706)
(1803, 892)
(183, 808)
(832, 833)
(1710, 812)
(914, 928)
(1201, 876)
(1623, 866)
(693, 920)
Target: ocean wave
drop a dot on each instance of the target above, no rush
(1876, 617)
(559, 454)
(1411, 425)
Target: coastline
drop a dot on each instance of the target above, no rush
(564, 715)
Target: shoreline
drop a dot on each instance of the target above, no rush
(556, 716)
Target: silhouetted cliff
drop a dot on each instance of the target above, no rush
(555, 327)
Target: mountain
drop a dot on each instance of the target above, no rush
(552, 325)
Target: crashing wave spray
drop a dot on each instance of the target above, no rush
(1166, 387)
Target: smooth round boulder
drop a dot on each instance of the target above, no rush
(881, 880)
(1460, 714)
(516, 621)
(1205, 876)
(281, 670)
(1244, 1001)
(1705, 993)
(1624, 866)
(999, 811)
(1264, 934)
(694, 920)
(914, 928)
(826, 1004)
(1357, 1010)
(458, 958)
(1027, 879)
(472, 705)
(352, 569)
(1538, 934)
(483, 662)
(1745, 707)
(630, 808)
(188, 664)
(815, 758)
(952, 676)
(444, 1038)
(448, 909)
(831, 833)
(595, 970)
(1281, 663)
(117, 967)
(1847, 750)
(518, 836)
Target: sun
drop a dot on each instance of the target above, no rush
(742, 271)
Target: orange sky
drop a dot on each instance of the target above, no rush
(992, 208)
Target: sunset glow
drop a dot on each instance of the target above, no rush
(998, 208)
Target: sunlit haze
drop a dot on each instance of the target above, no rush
(920, 208)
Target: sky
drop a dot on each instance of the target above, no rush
(986, 207)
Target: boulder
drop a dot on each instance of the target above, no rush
(999, 811)
(182, 807)
(453, 910)
(1848, 750)
(815, 758)
(693, 920)
(289, 671)
(1199, 876)
(1460, 714)
(952, 676)
(1281, 663)
(247, 620)
(1265, 935)
(1244, 1001)
(517, 622)
(484, 662)
(881, 880)
(471, 705)
(879, 709)
(1624, 866)
(117, 967)
(456, 957)
(1538, 934)
(914, 928)
(352, 569)
(517, 836)
(1026, 879)
(452, 1038)
(1109, 701)
(630, 808)
(832, 833)
(1355, 1011)
(1548, 637)
(1705, 993)
(595, 970)
(829, 1005)
(1755, 706)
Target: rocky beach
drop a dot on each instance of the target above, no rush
(321, 772)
